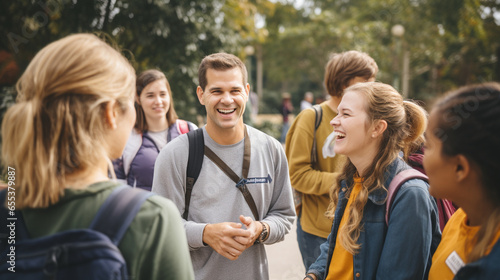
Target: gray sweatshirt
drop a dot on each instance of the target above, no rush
(215, 199)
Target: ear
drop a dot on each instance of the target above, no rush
(199, 93)
(463, 167)
(111, 114)
(379, 126)
(247, 88)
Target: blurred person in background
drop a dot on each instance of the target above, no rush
(286, 110)
(157, 124)
(307, 101)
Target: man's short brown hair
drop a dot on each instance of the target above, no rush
(220, 62)
(343, 67)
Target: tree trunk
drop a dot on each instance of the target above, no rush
(106, 15)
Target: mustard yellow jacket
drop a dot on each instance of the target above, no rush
(313, 184)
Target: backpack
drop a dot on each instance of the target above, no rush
(135, 144)
(297, 196)
(90, 253)
(183, 126)
(197, 151)
(195, 160)
(445, 207)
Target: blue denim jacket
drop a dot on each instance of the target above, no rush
(485, 268)
(402, 250)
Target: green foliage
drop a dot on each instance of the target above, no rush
(270, 128)
(450, 42)
(270, 103)
(172, 36)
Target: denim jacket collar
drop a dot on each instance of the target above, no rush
(379, 196)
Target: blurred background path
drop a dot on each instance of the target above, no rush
(284, 258)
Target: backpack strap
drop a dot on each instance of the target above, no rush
(118, 211)
(318, 111)
(195, 160)
(396, 184)
(183, 126)
(445, 210)
(240, 182)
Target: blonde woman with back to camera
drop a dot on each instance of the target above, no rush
(73, 115)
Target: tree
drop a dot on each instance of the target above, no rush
(448, 43)
(172, 36)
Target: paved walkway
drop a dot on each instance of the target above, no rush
(285, 262)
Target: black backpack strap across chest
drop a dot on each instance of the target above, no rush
(197, 150)
(195, 161)
(240, 182)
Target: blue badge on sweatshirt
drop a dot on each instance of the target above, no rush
(255, 180)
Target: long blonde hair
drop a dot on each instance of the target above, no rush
(406, 123)
(57, 125)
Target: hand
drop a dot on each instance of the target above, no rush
(253, 227)
(223, 238)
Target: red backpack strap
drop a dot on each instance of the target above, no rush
(183, 126)
(446, 210)
(395, 185)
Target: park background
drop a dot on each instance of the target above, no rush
(423, 48)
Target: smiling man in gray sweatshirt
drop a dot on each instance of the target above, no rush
(225, 235)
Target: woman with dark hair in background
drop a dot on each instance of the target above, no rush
(157, 124)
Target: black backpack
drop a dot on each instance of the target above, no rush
(195, 161)
(197, 151)
(73, 254)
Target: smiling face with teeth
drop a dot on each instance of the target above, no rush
(354, 131)
(224, 98)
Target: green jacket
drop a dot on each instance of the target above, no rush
(154, 246)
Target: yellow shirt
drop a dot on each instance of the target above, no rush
(455, 245)
(313, 184)
(342, 263)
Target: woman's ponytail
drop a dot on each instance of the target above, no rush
(56, 128)
(22, 149)
(416, 123)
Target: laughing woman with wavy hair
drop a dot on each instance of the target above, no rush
(373, 126)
